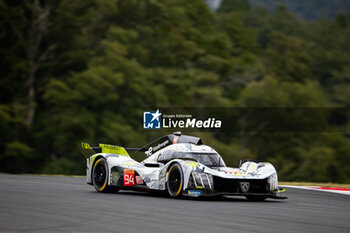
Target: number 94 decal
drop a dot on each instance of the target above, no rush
(129, 177)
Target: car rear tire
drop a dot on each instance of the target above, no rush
(175, 180)
(100, 177)
(256, 198)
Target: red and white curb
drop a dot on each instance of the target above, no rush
(345, 191)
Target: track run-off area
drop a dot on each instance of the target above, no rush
(67, 204)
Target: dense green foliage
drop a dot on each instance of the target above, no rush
(83, 70)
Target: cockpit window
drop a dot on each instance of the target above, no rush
(210, 159)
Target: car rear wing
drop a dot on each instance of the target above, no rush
(88, 150)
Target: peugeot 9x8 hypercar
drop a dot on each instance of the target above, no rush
(180, 165)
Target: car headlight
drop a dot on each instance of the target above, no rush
(201, 180)
(273, 182)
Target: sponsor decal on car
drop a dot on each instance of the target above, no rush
(150, 150)
(234, 171)
(129, 177)
(111, 149)
(138, 180)
(194, 193)
(175, 139)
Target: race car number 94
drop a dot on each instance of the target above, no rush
(129, 177)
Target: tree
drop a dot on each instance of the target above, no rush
(234, 5)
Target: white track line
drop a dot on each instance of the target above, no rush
(318, 188)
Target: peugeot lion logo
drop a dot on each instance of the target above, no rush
(245, 186)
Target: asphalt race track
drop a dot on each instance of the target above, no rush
(66, 204)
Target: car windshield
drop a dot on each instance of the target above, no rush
(208, 159)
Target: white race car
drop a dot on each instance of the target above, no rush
(180, 165)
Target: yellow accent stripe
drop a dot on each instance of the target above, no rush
(113, 149)
(279, 191)
(92, 158)
(178, 192)
(191, 163)
(85, 146)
